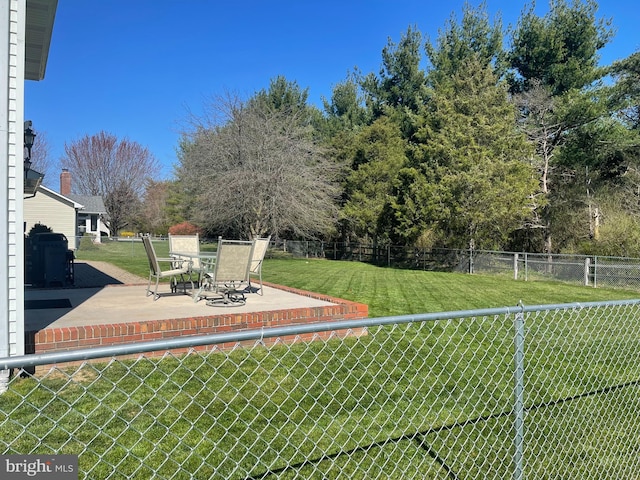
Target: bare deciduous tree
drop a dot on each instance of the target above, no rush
(543, 129)
(154, 214)
(41, 158)
(116, 169)
(256, 171)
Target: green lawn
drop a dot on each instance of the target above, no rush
(402, 401)
(387, 291)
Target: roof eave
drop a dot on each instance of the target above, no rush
(39, 28)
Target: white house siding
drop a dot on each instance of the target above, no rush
(12, 46)
(85, 222)
(52, 210)
(90, 213)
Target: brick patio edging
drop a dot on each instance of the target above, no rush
(72, 338)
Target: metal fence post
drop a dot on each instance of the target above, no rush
(4, 380)
(518, 406)
(515, 266)
(587, 264)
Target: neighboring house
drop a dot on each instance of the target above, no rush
(90, 216)
(64, 212)
(54, 210)
(26, 27)
(72, 215)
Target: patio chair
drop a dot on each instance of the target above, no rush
(188, 244)
(259, 251)
(176, 269)
(225, 285)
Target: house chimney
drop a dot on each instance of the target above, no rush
(65, 182)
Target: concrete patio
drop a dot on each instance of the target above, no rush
(109, 306)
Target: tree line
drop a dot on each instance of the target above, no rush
(486, 137)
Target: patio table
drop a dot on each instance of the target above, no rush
(207, 263)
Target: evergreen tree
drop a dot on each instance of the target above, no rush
(470, 181)
(626, 93)
(378, 156)
(473, 39)
(399, 91)
(345, 111)
(555, 78)
(559, 50)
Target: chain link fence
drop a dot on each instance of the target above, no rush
(536, 392)
(590, 270)
(621, 272)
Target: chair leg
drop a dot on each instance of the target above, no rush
(203, 285)
(149, 286)
(196, 296)
(156, 295)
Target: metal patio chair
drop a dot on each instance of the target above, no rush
(175, 269)
(189, 245)
(259, 251)
(225, 284)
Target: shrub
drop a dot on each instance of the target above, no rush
(185, 228)
(39, 228)
(127, 234)
(619, 236)
(87, 243)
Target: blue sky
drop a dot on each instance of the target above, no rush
(134, 67)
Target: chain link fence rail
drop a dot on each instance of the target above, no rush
(521, 392)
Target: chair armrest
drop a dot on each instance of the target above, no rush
(176, 262)
(208, 260)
